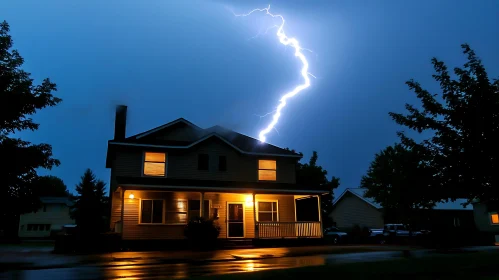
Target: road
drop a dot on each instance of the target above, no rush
(178, 271)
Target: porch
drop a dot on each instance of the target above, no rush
(140, 214)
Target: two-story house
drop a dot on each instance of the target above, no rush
(162, 178)
(52, 216)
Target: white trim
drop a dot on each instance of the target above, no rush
(143, 134)
(199, 141)
(144, 162)
(163, 218)
(220, 189)
(258, 210)
(227, 219)
(363, 198)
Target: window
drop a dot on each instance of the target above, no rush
(195, 206)
(176, 211)
(203, 161)
(30, 227)
(151, 211)
(154, 164)
(222, 163)
(44, 207)
(494, 219)
(266, 170)
(267, 211)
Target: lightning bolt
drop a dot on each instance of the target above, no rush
(293, 42)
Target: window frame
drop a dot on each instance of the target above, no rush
(163, 218)
(207, 164)
(144, 162)
(258, 169)
(178, 212)
(219, 163)
(490, 218)
(209, 208)
(272, 212)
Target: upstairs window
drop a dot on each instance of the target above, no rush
(494, 219)
(222, 163)
(154, 164)
(203, 161)
(267, 170)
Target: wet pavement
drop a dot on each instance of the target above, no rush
(178, 271)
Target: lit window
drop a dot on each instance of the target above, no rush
(266, 170)
(151, 211)
(494, 219)
(154, 164)
(267, 211)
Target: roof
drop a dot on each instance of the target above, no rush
(212, 185)
(238, 141)
(450, 205)
(56, 200)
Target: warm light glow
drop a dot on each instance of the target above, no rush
(293, 42)
(250, 266)
(249, 200)
(495, 219)
(154, 164)
(131, 196)
(267, 170)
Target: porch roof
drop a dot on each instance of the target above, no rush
(151, 183)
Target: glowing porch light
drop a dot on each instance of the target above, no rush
(131, 196)
(249, 200)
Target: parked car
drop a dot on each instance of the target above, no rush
(391, 231)
(334, 235)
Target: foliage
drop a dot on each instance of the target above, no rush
(91, 205)
(50, 186)
(312, 175)
(202, 233)
(20, 98)
(464, 121)
(400, 180)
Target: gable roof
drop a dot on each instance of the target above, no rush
(450, 205)
(240, 142)
(56, 200)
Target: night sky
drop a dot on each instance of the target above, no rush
(194, 59)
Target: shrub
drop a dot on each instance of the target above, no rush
(202, 233)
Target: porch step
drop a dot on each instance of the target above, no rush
(238, 243)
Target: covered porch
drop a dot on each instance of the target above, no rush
(241, 214)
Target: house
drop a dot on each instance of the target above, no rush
(163, 177)
(353, 208)
(487, 220)
(52, 216)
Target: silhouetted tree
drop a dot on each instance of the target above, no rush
(400, 180)
(464, 121)
(312, 175)
(50, 186)
(19, 99)
(90, 208)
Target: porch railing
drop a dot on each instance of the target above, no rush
(288, 229)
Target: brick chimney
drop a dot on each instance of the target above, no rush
(120, 123)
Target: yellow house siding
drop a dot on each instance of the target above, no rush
(351, 211)
(133, 230)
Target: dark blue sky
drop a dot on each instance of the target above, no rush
(193, 59)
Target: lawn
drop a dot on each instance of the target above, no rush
(481, 265)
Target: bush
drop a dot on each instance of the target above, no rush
(201, 233)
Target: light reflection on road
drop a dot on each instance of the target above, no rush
(179, 271)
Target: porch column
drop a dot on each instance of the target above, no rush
(122, 210)
(201, 205)
(320, 212)
(254, 215)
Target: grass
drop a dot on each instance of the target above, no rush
(470, 266)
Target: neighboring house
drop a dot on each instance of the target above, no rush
(52, 216)
(162, 178)
(486, 221)
(352, 208)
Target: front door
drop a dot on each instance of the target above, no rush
(235, 220)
